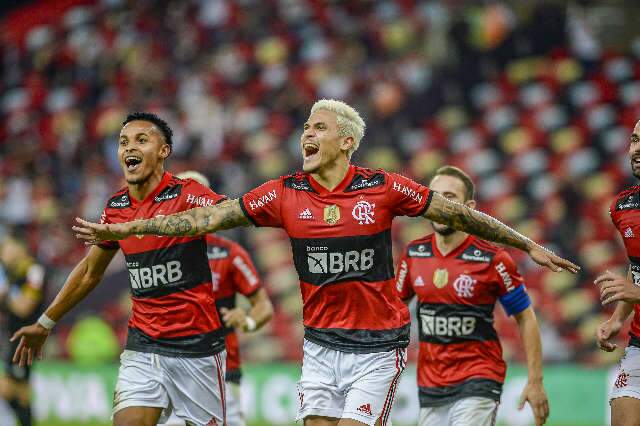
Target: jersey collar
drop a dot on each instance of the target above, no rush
(456, 251)
(341, 186)
(166, 177)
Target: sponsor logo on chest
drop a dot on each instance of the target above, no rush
(154, 276)
(321, 262)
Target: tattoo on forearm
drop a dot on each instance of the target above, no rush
(462, 218)
(198, 221)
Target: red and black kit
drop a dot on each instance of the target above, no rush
(341, 241)
(625, 215)
(460, 354)
(173, 311)
(232, 272)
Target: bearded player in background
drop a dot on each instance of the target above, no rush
(457, 279)
(625, 215)
(232, 274)
(174, 356)
(338, 217)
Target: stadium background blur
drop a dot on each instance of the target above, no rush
(535, 100)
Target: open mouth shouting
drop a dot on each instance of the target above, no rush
(310, 151)
(132, 162)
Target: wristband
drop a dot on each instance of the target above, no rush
(250, 324)
(46, 322)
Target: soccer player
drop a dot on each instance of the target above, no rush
(22, 287)
(174, 355)
(233, 273)
(338, 217)
(625, 208)
(457, 279)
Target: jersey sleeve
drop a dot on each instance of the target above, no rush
(403, 278)
(263, 205)
(612, 212)
(407, 197)
(107, 245)
(244, 275)
(512, 293)
(198, 195)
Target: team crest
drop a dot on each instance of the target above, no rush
(332, 214)
(440, 278)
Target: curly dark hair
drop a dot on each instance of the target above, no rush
(157, 121)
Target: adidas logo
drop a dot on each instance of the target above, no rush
(628, 233)
(305, 214)
(365, 408)
(419, 282)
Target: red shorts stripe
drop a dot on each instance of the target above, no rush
(221, 387)
(388, 403)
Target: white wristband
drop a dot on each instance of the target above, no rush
(250, 324)
(46, 322)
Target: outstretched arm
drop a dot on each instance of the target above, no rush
(198, 221)
(84, 277)
(462, 218)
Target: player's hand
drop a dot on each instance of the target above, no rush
(535, 395)
(234, 318)
(614, 287)
(607, 331)
(96, 233)
(547, 258)
(32, 338)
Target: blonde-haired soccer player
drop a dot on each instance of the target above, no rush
(339, 217)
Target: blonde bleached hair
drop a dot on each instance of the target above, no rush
(197, 176)
(349, 121)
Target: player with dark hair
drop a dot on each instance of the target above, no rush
(233, 274)
(625, 215)
(457, 279)
(174, 356)
(338, 217)
(22, 291)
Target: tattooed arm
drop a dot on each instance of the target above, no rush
(463, 218)
(198, 221)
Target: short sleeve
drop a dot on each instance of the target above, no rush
(244, 275)
(107, 245)
(403, 278)
(512, 292)
(198, 195)
(263, 205)
(612, 212)
(407, 197)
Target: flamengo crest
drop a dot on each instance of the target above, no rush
(363, 212)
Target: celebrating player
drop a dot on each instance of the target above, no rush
(338, 217)
(174, 355)
(457, 279)
(232, 273)
(625, 395)
(22, 288)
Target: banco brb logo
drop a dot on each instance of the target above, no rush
(363, 212)
(336, 262)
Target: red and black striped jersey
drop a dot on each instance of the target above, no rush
(173, 310)
(341, 241)
(625, 215)
(460, 354)
(232, 273)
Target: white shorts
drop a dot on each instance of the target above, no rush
(628, 381)
(349, 386)
(474, 410)
(192, 388)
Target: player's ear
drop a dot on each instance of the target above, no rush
(165, 151)
(347, 143)
(471, 204)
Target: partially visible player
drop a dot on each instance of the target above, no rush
(22, 287)
(625, 215)
(338, 217)
(174, 356)
(457, 279)
(233, 273)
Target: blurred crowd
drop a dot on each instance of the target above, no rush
(525, 97)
